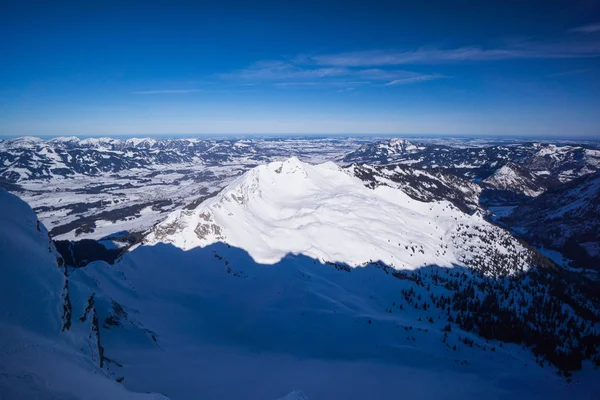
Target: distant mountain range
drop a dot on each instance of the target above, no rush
(554, 188)
(551, 164)
(30, 158)
(145, 179)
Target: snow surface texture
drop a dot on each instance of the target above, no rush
(212, 323)
(230, 328)
(322, 212)
(37, 360)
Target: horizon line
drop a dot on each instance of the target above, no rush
(303, 134)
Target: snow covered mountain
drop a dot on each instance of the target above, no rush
(385, 152)
(98, 187)
(511, 185)
(513, 178)
(29, 158)
(45, 351)
(215, 289)
(323, 212)
(33, 158)
(421, 184)
(565, 218)
(563, 163)
(275, 276)
(555, 163)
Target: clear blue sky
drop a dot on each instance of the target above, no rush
(185, 67)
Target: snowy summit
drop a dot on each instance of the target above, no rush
(325, 213)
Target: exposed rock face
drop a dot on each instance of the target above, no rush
(421, 184)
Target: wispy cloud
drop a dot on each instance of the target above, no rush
(415, 79)
(321, 83)
(168, 91)
(286, 84)
(568, 73)
(461, 54)
(591, 28)
(383, 67)
(420, 56)
(274, 70)
(298, 73)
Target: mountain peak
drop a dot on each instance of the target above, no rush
(64, 139)
(383, 151)
(399, 142)
(289, 166)
(514, 177)
(324, 213)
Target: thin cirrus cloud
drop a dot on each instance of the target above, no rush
(414, 79)
(422, 56)
(321, 83)
(168, 91)
(569, 73)
(591, 28)
(298, 73)
(379, 67)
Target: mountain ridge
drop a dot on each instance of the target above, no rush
(565, 218)
(544, 160)
(321, 211)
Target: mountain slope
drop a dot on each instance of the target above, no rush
(40, 357)
(161, 314)
(420, 184)
(29, 158)
(299, 323)
(566, 218)
(511, 177)
(551, 163)
(385, 152)
(322, 212)
(563, 163)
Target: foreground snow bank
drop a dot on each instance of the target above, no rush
(37, 358)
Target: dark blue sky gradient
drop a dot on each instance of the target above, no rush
(456, 67)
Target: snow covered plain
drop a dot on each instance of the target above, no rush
(92, 207)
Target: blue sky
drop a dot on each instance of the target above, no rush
(456, 67)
